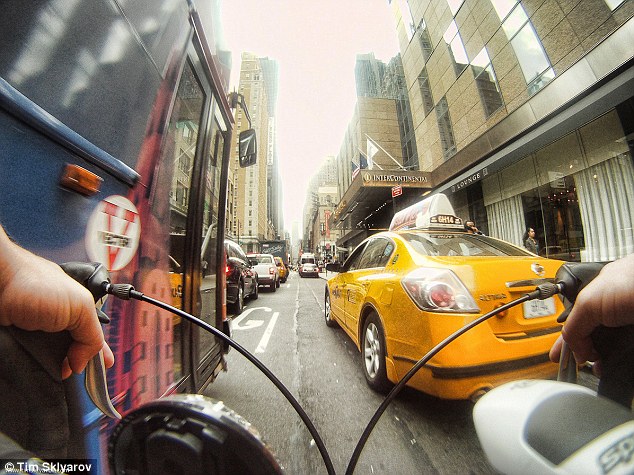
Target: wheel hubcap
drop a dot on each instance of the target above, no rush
(372, 350)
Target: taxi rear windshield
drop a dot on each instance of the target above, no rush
(438, 244)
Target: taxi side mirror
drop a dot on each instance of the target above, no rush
(333, 267)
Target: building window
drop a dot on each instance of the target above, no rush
(456, 48)
(528, 48)
(406, 17)
(445, 128)
(425, 91)
(487, 82)
(425, 40)
(614, 4)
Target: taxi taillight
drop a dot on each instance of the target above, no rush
(438, 290)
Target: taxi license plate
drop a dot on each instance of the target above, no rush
(539, 308)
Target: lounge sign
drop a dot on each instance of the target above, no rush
(394, 178)
(474, 177)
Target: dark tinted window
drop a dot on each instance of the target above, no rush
(437, 244)
(352, 262)
(376, 253)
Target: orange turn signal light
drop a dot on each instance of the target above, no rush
(80, 180)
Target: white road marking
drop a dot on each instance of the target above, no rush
(235, 323)
(267, 334)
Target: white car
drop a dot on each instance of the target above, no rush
(264, 265)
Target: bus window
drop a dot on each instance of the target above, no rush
(208, 287)
(183, 132)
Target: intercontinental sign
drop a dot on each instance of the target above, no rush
(392, 178)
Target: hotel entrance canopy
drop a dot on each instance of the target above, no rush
(363, 204)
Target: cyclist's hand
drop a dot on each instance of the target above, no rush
(36, 294)
(608, 300)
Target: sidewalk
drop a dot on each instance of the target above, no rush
(327, 275)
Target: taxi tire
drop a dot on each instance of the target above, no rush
(332, 323)
(376, 356)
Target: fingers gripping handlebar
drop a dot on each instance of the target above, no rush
(95, 277)
(614, 345)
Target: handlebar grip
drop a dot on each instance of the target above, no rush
(616, 348)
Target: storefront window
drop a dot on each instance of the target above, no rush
(577, 193)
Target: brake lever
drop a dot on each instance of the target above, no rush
(614, 345)
(93, 276)
(571, 278)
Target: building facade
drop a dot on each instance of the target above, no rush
(524, 115)
(254, 203)
(323, 196)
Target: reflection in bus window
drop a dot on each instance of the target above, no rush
(183, 133)
(210, 222)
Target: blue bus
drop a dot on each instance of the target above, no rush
(116, 131)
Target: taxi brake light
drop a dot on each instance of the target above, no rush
(441, 295)
(438, 290)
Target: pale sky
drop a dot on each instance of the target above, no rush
(315, 43)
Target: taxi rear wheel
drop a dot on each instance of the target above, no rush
(373, 354)
(327, 311)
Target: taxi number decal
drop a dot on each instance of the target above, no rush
(445, 219)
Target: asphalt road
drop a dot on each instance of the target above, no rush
(321, 368)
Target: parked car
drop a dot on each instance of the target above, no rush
(242, 280)
(309, 270)
(281, 269)
(264, 265)
(401, 292)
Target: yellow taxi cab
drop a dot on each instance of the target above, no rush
(403, 291)
(281, 268)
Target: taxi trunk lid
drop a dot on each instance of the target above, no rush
(495, 281)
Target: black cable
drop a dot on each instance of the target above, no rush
(126, 292)
(430, 354)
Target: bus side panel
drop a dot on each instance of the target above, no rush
(83, 62)
(36, 211)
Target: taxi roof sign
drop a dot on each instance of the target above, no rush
(434, 212)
